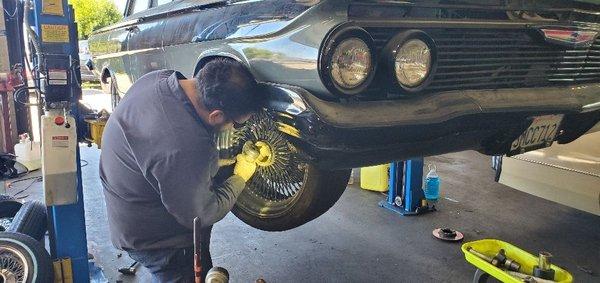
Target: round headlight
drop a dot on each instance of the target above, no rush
(351, 63)
(413, 62)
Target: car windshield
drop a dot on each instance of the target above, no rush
(305, 2)
(490, 2)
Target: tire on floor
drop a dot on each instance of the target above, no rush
(20, 253)
(31, 220)
(9, 206)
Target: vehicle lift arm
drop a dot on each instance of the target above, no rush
(55, 56)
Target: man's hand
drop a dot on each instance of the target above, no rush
(244, 168)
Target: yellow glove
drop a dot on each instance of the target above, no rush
(226, 162)
(244, 168)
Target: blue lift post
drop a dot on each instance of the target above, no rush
(67, 231)
(406, 185)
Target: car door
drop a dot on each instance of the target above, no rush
(109, 49)
(544, 172)
(144, 43)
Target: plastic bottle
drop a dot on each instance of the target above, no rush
(28, 153)
(432, 184)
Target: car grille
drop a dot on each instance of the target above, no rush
(492, 59)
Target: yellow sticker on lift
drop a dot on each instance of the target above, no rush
(53, 7)
(55, 33)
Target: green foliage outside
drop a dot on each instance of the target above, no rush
(92, 15)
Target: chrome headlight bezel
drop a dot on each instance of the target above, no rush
(337, 37)
(391, 53)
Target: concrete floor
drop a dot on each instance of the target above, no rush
(356, 241)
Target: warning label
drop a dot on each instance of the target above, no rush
(57, 74)
(57, 77)
(60, 141)
(55, 33)
(53, 7)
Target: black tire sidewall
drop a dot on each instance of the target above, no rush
(35, 253)
(321, 191)
(9, 206)
(31, 220)
(114, 94)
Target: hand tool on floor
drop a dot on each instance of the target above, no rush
(129, 270)
(197, 249)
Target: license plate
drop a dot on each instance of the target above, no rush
(540, 134)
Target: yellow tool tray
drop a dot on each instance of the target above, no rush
(491, 247)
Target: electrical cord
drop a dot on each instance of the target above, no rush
(35, 179)
(14, 13)
(35, 79)
(74, 68)
(33, 36)
(20, 92)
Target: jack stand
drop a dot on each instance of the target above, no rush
(405, 194)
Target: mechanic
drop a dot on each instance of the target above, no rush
(159, 159)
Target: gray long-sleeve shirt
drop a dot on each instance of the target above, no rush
(157, 164)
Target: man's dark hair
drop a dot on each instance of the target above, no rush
(225, 84)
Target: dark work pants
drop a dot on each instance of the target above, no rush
(175, 265)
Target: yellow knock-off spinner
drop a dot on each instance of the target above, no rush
(259, 153)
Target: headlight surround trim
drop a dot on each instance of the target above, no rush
(390, 53)
(338, 36)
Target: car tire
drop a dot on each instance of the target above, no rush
(23, 259)
(9, 206)
(31, 220)
(320, 192)
(289, 192)
(115, 98)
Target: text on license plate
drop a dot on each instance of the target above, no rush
(542, 131)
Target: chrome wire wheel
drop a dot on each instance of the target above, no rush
(13, 265)
(286, 191)
(276, 184)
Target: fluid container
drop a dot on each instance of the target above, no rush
(28, 153)
(375, 178)
(432, 184)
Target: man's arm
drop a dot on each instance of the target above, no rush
(184, 183)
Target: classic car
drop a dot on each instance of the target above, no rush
(356, 83)
(568, 174)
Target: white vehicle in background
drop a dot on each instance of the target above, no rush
(84, 57)
(568, 174)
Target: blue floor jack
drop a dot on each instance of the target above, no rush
(405, 194)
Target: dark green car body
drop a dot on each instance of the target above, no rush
(494, 70)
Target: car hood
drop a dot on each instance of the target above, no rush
(511, 4)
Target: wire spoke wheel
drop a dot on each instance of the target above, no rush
(13, 265)
(286, 190)
(278, 183)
